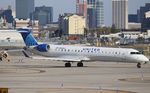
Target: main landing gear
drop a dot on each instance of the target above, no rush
(79, 64)
(68, 64)
(138, 65)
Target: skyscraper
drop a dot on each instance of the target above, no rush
(92, 10)
(44, 14)
(24, 8)
(91, 13)
(81, 7)
(120, 14)
(7, 15)
(141, 12)
(99, 13)
(95, 13)
(145, 21)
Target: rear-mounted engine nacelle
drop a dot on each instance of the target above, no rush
(43, 47)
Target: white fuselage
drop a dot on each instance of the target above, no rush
(94, 53)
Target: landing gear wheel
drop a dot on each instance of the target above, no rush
(138, 65)
(80, 64)
(8, 60)
(5, 55)
(67, 64)
(0, 59)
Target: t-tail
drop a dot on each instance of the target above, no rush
(31, 41)
(28, 37)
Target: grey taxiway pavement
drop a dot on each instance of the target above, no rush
(43, 76)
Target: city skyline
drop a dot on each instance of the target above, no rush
(62, 7)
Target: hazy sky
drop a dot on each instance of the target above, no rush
(67, 6)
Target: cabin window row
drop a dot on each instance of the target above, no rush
(81, 51)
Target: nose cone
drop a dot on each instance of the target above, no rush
(142, 58)
(145, 59)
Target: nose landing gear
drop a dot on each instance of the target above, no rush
(138, 65)
(0, 58)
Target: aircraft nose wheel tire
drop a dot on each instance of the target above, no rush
(80, 64)
(68, 65)
(0, 59)
(138, 65)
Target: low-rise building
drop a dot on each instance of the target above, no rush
(34, 25)
(72, 24)
(134, 25)
(124, 34)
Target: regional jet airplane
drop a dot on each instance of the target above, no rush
(10, 40)
(80, 54)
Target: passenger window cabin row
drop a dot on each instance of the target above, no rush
(88, 51)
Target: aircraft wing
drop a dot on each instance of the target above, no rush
(63, 58)
(60, 58)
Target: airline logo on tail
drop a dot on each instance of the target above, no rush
(28, 37)
(31, 41)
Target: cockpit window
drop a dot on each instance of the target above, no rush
(135, 53)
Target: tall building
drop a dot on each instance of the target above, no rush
(120, 14)
(95, 13)
(141, 12)
(81, 7)
(99, 13)
(6, 18)
(92, 10)
(7, 15)
(146, 22)
(43, 14)
(24, 8)
(133, 18)
(142, 17)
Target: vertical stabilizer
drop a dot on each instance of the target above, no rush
(28, 37)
